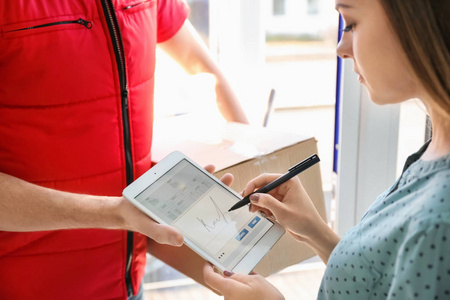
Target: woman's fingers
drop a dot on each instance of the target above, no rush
(268, 204)
(258, 182)
(215, 280)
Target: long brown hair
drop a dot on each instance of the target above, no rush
(423, 29)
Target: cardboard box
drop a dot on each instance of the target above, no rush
(245, 152)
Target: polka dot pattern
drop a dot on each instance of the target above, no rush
(401, 248)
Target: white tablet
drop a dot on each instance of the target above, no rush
(180, 193)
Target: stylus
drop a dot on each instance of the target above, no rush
(295, 170)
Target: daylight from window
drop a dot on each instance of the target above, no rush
(283, 50)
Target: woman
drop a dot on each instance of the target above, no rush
(400, 249)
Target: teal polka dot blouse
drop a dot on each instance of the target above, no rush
(401, 248)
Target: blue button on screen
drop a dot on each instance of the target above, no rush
(254, 222)
(242, 234)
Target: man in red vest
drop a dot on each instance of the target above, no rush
(76, 114)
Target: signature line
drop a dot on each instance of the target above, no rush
(220, 217)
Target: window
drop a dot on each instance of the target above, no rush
(313, 7)
(279, 7)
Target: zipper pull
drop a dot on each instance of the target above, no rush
(125, 97)
(85, 23)
(133, 5)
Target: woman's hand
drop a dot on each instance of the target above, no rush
(291, 206)
(238, 286)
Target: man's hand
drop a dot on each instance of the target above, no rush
(136, 220)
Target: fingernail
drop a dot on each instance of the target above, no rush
(262, 213)
(228, 273)
(254, 198)
(174, 240)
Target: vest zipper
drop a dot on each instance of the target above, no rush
(116, 39)
(80, 21)
(134, 5)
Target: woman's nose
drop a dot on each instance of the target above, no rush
(344, 47)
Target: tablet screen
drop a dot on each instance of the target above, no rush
(188, 199)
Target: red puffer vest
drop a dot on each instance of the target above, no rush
(76, 93)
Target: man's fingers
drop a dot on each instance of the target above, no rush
(164, 234)
(210, 168)
(227, 179)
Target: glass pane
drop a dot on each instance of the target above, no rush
(313, 7)
(301, 67)
(279, 7)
